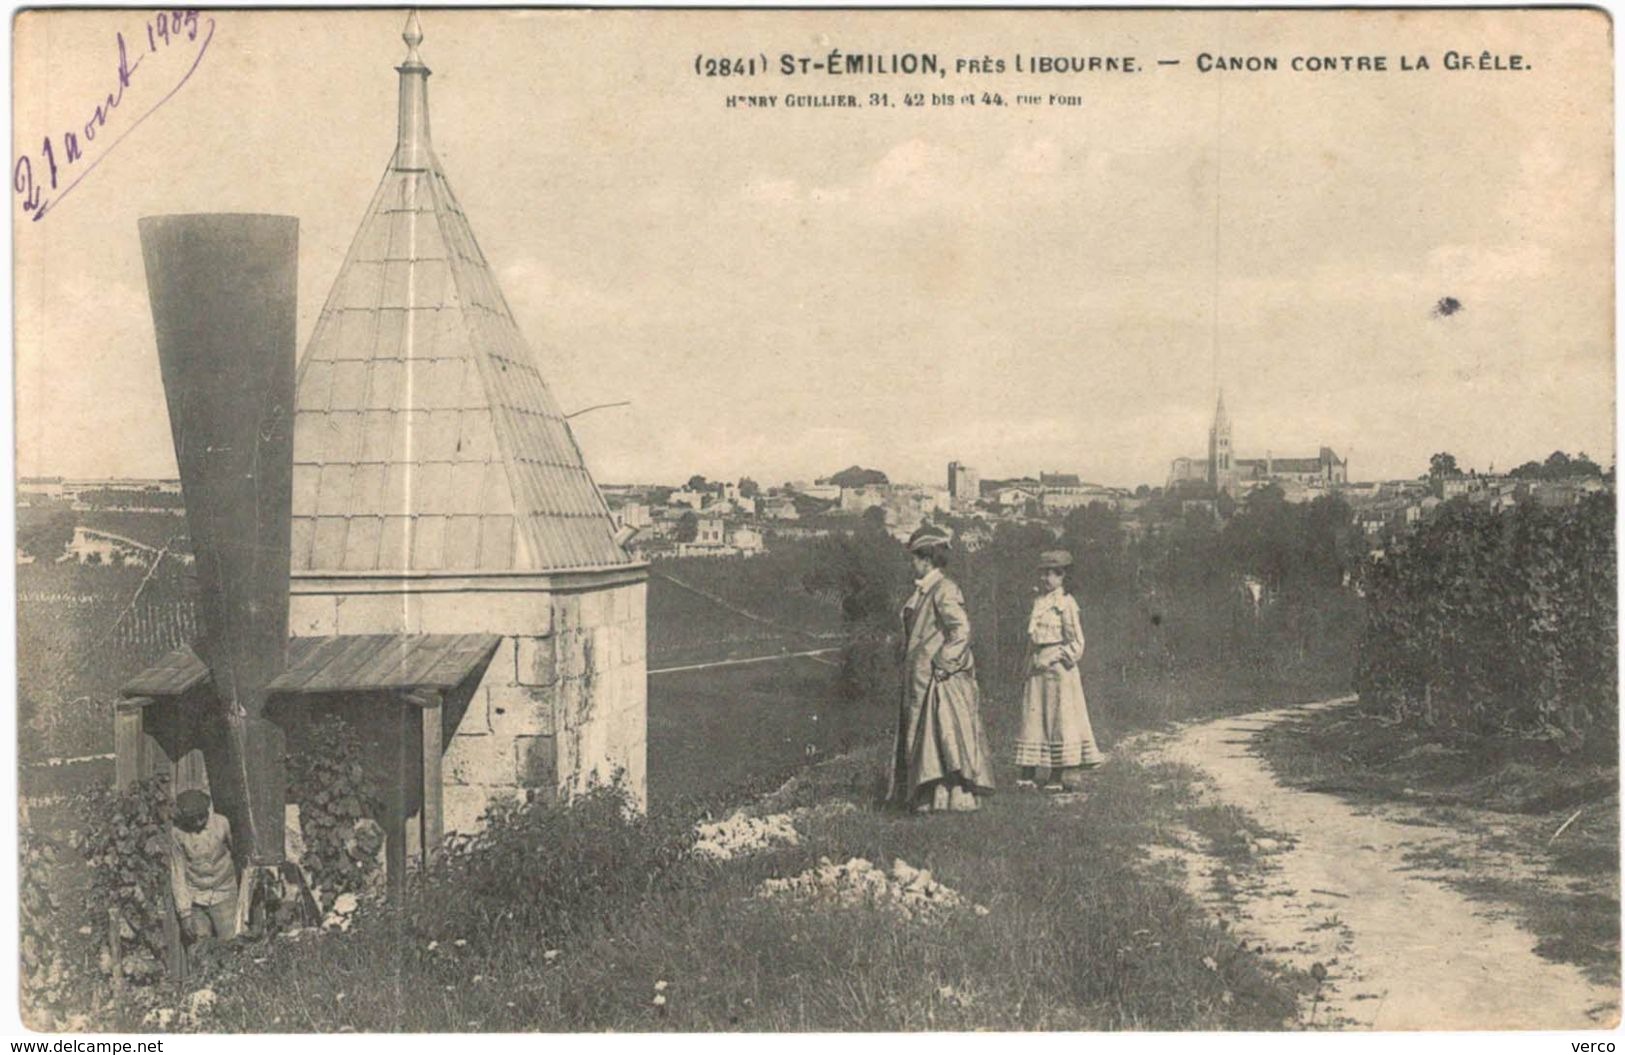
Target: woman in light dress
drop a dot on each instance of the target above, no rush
(941, 759)
(1055, 733)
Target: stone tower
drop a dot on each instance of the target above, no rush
(1221, 462)
(437, 488)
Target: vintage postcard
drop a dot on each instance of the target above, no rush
(590, 520)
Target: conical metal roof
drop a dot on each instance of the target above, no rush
(426, 438)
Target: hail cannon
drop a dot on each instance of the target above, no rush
(401, 531)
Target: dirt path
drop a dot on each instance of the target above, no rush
(1401, 950)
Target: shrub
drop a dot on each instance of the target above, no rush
(551, 868)
(47, 979)
(328, 782)
(1499, 624)
(47, 539)
(125, 841)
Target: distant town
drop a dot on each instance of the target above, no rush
(742, 518)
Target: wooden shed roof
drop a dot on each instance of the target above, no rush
(347, 663)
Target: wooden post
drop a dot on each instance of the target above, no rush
(173, 940)
(395, 805)
(246, 888)
(129, 742)
(433, 790)
(115, 948)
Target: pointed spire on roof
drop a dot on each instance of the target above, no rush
(412, 129)
(413, 35)
(426, 439)
(1220, 418)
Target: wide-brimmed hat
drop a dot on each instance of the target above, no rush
(1054, 560)
(928, 536)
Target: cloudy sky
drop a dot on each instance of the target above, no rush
(783, 293)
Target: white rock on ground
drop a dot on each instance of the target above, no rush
(908, 891)
(344, 907)
(741, 834)
(744, 833)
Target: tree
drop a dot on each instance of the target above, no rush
(698, 483)
(875, 517)
(49, 538)
(1559, 466)
(857, 476)
(808, 506)
(1442, 465)
(1332, 546)
(748, 488)
(688, 526)
(1094, 535)
(869, 573)
(1584, 466)
(1264, 538)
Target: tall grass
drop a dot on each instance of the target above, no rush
(1077, 935)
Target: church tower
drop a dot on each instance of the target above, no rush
(1221, 465)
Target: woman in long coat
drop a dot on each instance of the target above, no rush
(1055, 732)
(941, 759)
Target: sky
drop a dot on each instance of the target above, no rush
(783, 293)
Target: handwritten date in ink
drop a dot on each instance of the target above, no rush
(43, 180)
(167, 22)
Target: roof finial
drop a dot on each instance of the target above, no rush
(413, 35)
(412, 131)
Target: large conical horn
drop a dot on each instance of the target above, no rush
(223, 304)
(223, 291)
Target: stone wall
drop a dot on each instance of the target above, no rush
(563, 702)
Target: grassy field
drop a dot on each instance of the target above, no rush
(81, 633)
(737, 730)
(687, 626)
(1079, 933)
(1544, 827)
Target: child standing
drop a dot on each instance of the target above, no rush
(202, 874)
(1055, 732)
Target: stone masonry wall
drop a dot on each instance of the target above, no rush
(564, 701)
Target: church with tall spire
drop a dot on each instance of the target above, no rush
(1221, 470)
(1223, 473)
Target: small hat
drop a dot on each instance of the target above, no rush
(1054, 559)
(928, 536)
(192, 803)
